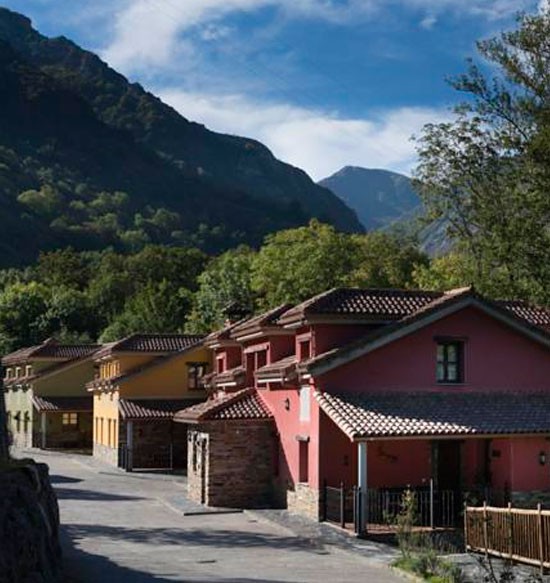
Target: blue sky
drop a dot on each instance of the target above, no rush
(323, 83)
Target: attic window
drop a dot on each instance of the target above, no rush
(450, 361)
(195, 372)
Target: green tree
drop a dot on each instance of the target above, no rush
(226, 280)
(386, 261)
(157, 307)
(298, 263)
(22, 306)
(64, 267)
(45, 202)
(488, 171)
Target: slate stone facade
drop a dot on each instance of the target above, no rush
(230, 463)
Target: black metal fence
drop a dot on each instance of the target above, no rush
(434, 508)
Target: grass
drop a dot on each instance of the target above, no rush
(439, 570)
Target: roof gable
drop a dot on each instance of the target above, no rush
(449, 303)
(152, 343)
(377, 305)
(50, 349)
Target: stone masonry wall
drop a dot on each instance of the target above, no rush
(238, 463)
(301, 499)
(106, 454)
(29, 525)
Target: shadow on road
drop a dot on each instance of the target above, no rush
(82, 567)
(57, 479)
(77, 494)
(211, 538)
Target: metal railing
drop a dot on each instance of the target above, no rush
(434, 508)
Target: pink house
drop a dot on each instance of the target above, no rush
(378, 389)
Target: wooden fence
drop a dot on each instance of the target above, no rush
(510, 533)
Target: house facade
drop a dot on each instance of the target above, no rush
(141, 382)
(47, 404)
(384, 389)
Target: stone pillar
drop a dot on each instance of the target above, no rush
(129, 445)
(43, 429)
(4, 445)
(363, 485)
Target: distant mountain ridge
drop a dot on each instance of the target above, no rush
(379, 197)
(74, 132)
(383, 200)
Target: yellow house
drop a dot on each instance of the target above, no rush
(142, 381)
(47, 403)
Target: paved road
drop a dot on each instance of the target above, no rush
(127, 529)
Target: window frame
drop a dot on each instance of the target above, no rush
(446, 362)
(69, 425)
(195, 372)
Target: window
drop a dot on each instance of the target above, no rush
(17, 371)
(304, 462)
(304, 404)
(450, 362)
(220, 364)
(28, 370)
(261, 359)
(69, 421)
(305, 349)
(8, 373)
(195, 371)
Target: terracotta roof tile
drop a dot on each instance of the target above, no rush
(266, 319)
(375, 304)
(536, 315)
(50, 349)
(242, 405)
(156, 343)
(150, 409)
(427, 414)
(60, 404)
(284, 368)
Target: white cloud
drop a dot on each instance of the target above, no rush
(319, 142)
(148, 32)
(428, 21)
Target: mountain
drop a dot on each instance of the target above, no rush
(379, 197)
(383, 199)
(89, 159)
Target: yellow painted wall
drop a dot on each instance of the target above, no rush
(166, 380)
(106, 418)
(122, 363)
(67, 383)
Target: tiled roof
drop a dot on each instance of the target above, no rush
(375, 304)
(156, 343)
(260, 321)
(452, 300)
(50, 349)
(223, 333)
(62, 404)
(427, 414)
(242, 405)
(234, 375)
(536, 315)
(147, 409)
(280, 368)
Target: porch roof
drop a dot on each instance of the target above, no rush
(63, 404)
(244, 404)
(428, 414)
(151, 409)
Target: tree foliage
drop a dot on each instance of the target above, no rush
(488, 171)
(295, 264)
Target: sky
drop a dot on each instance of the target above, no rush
(323, 83)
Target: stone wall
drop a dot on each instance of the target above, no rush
(29, 525)
(4, 444)
(530, 499)
(301, 499)
(106, 454)
(231, 463)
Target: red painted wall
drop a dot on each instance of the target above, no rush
(328, 336)
(496, 358)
